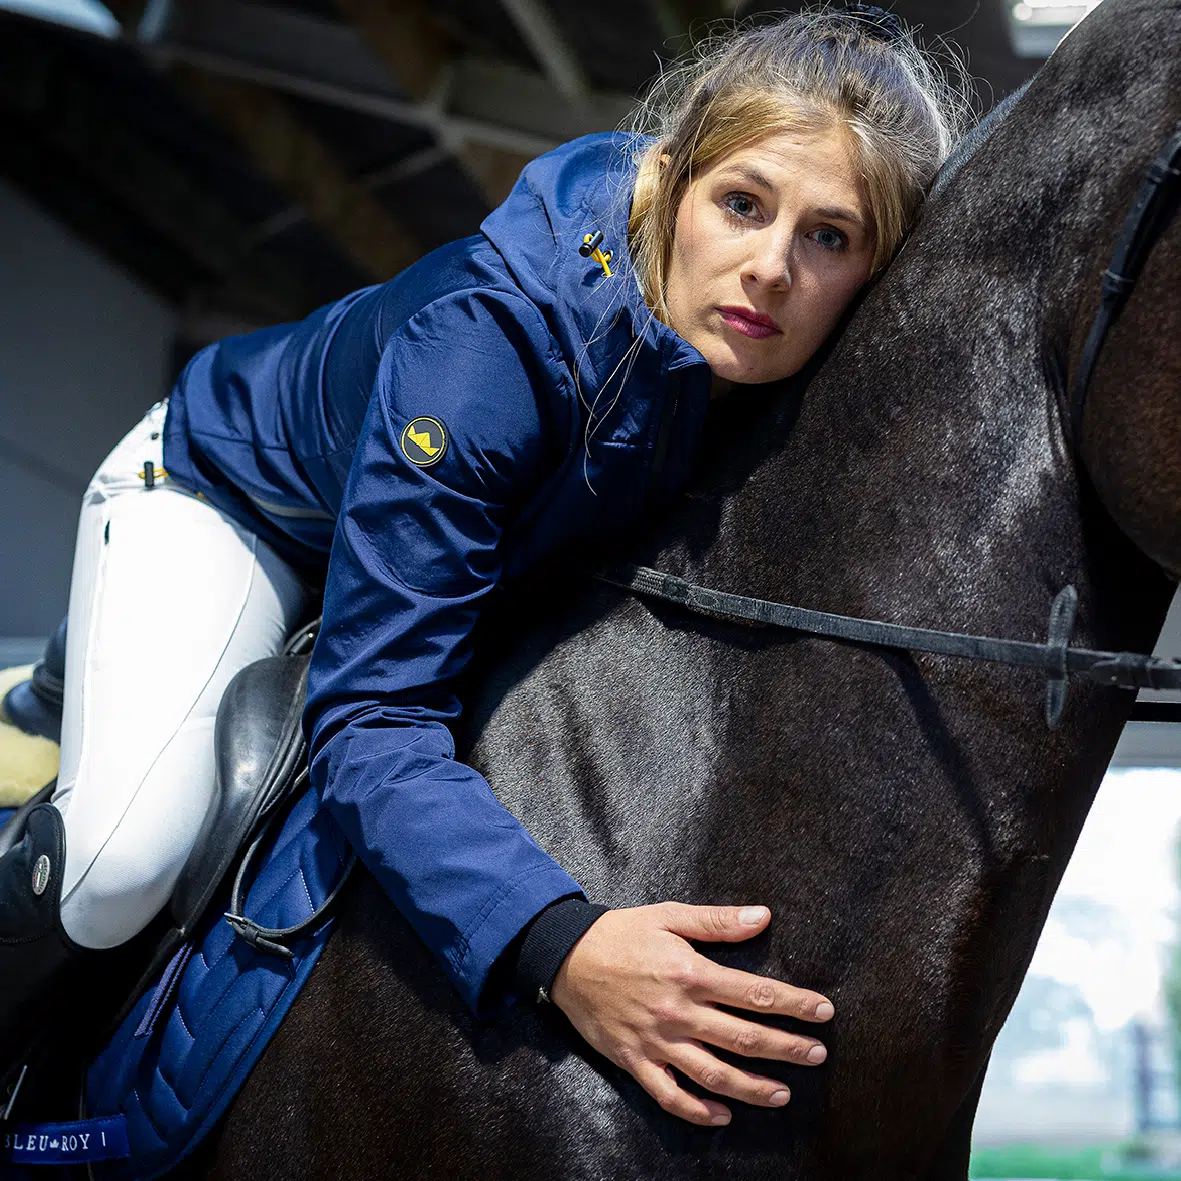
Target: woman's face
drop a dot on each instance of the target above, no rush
(772, 243)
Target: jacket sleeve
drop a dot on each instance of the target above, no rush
(415, 552)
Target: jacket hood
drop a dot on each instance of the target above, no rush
(605, 329)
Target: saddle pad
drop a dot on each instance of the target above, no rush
(172, 1069)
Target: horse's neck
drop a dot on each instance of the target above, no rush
(926, 481)
(930, 478)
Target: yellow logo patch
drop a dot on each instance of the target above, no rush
(423, 441)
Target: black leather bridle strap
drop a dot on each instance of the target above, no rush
(1154, 205)
(1125, 670)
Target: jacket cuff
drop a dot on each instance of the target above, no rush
(472, 961)
(548, 941)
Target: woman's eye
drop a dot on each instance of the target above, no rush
(740, 204)
(831, 239)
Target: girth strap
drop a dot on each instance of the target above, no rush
(1124, 670)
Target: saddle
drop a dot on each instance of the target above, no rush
(260, 762)
(261, 777)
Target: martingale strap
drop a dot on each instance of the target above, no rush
(1124, 670)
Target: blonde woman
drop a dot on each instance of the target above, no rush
(419, 442)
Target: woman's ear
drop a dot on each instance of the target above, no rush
(664, 159)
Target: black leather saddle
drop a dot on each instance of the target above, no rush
(260, 765)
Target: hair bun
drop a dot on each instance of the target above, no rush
(875, 21)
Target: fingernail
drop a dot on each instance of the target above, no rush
(752, 915)
(780, 1098)
(824, 1011)
(720, 1119)
(817, 1054)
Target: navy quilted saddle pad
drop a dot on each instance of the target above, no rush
(179, 1058)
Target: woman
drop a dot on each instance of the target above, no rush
(415, 444)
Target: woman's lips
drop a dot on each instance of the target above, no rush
(751, 324)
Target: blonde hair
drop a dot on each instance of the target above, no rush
(820, 69)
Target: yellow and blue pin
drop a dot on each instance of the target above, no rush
(423, 441)
(592, 247)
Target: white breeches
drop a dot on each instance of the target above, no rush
(169, 599)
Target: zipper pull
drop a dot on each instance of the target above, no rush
(592, 248)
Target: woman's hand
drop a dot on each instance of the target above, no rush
(635, 989)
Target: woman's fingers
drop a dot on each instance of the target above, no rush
(661, 1084)
(644, 997)
(754, 1040)
(716, 924)
(697, 1063)
(761, 994)
(732, 924)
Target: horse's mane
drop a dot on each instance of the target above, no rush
(974, 140)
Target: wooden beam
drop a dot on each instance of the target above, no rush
(404, 37)
(419, 55)
(332, 62)
(297, 161)
(302, 165)
(558, 59)
(401, 170)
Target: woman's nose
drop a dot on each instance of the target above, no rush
(770, 264)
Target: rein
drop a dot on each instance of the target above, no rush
(1123, 670)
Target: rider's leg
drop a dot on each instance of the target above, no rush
(169, 599)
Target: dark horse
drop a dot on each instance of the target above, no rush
(907, 818)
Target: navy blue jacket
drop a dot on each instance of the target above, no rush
(442, 431)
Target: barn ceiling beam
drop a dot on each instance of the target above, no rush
(401, 170)
(348, 98)
(507, 93)
(465, 100)
(418, 56)
(60, 105)
(303, 166)
(290, 154)
(404, 40)
(558, 60)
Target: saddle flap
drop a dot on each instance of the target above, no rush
(259, 747)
